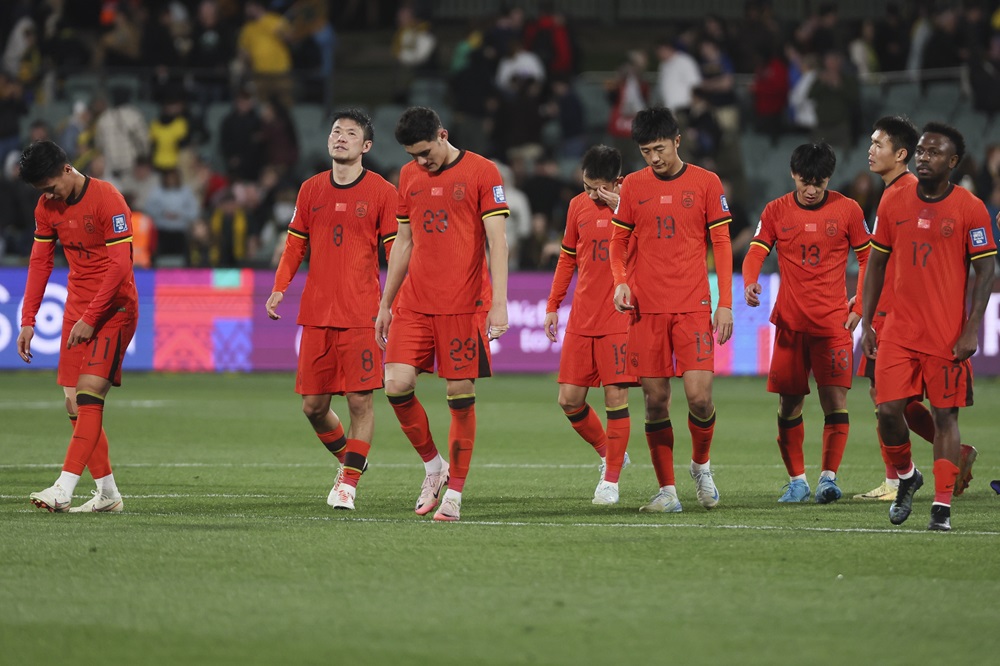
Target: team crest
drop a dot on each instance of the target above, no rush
(634, 359)
(458, 191)
(831, 227)
(947, 227)
(361, 208)
(88, 224)
(687, 199)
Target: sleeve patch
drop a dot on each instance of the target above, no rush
(118, 224)
(498, 195)
(864, 221)
(725, 204)
(760, 223)
(978, 237)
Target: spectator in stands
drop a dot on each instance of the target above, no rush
(770, 92)
(518, 128)
(507, 30)
(144, 235)
(314, 41)
(837, 99)
(139, 182)
(758, 33)
(473, 93)
(892, 41)
(944, 47)
(22, 59)
(628, 94)
(861, 188)
(263, 44)
(677, 76)
(801, 107)
(549, 196)
(224, 240)
(703, 135)
(278, 137)
(414, 46)
(162, 29)
(212, 48)
(550, 38)
(121, 134)
(741, 231)
(518, 64)
(863, 54)
(240, 139)
(984, 80)
(566, 108)
(121, 45)
(174, 210)
(73, 131)
(519, 220)
(205, 181)
(17, 201)
(169, 135)
(12, 108)
(718, 84)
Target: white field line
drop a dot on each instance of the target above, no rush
(521, 523)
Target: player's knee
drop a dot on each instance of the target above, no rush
(398, 386)
(570, 403)
(701, 406)
(315, 410)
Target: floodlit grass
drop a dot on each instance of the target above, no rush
(228, 554)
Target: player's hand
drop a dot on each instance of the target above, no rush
(851, 301)
(853, 319)
(80, 333)
(24, 343)
(382, 322)
(751, 294)
(609, 197)
(722, 324)
(623, 298)
(551, 324)
(966, 345)
(868, 341)
(496, 321)
(272, 305)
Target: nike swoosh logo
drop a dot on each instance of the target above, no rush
(643, 201)
(415, 193)
(699, 359)
(316, 208)
(91, 364)
(462, 367)
(948, 396)
(583, 224)
(902, 221)
(367, 379)
(56, 224)
(787, 229)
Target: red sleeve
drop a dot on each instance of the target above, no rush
(387, 224)
(861, 242)
(752, 263)
(118, 271)
(722, 249)
(619, 252)
(39, 270)
(291, 259)
(862, 267)
(561, 279)
(716, 207)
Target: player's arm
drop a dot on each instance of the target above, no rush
(39, 269)
(619, 254)
(982, 289)
(722, 249)
(871, 292)
(296, 245)
(496, 237)
(752, 264)
(119, 268)
(565, 268)
(856, 303)
(399, 262)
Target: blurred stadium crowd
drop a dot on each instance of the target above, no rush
(207, 114)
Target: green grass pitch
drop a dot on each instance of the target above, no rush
(228, 554)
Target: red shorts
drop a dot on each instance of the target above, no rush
(668, 345)
(457, 342)
(831, 360)
(866, 366)
(336, 361)
(102, 355)
(594, 360)
(902, 373)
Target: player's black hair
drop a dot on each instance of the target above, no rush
(358, 116)
(602, 163)
(901, 131)
(953, 135)
(654, 123)
(813, 162)
(418, 123)
(42, 160)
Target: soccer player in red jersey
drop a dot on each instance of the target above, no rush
(893, 141)
(452, 211)
(813, 230)
(93, 223)
(673, 209)
(935, 230)
(594, 343)
(341, 215)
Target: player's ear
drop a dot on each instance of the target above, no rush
(366, 146)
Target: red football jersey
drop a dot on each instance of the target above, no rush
(445, 210)
(888, 297)
(813, 244)
(933, 243)
(342, 225)
(671, 219)
(95, 229)
(586, 246)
